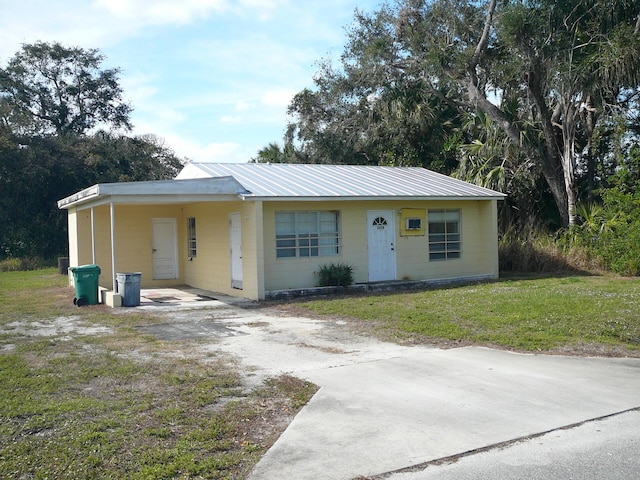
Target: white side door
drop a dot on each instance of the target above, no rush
(235, 240)
(381, 236)
(164, 248)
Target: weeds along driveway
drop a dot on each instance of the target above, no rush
(84, 395)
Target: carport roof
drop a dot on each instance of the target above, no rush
(157, 191)
(261, 181)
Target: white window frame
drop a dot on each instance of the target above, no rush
(445, 234)
(308, 233)
(192, 249)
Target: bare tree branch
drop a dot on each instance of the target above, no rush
(484, 40)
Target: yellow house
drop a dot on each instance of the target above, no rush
(254, 230)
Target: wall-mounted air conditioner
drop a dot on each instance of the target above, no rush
(413, 223)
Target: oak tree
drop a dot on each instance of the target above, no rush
(64, 90)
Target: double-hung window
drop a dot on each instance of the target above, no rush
(307, 234)
(191, 237)
(445, 242)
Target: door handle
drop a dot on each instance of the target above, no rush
(154, 250)
(392, 247)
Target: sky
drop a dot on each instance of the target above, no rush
(212, 78)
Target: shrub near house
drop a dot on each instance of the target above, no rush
(338, 275)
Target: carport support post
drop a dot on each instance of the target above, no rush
(113, 248)
(93, 239)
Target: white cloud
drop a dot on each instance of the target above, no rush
(139, 87)
(165, 12)
(150, 114)
(277, 98)
(218, 152)
(161, 11)
(262, 4)
(243, 106)
(167, 115)
(231, 119)
(265, 8)
(101, 23)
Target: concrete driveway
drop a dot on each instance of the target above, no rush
(393, 411)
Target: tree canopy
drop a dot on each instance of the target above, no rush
(61, 90)
(511, 91)
(61, 130)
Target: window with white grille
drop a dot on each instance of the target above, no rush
(445, 241)
(307, 234)
(191, 237)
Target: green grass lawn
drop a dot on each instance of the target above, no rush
(118, 404)
(582, 314)
(114, 403)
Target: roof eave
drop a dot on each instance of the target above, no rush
(83, 196)
(370, 198)
(172, 199)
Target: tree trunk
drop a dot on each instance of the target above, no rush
(569, 159)
(558, 165)
(589, 121)
(551, 165)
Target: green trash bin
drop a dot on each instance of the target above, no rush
(85, 278)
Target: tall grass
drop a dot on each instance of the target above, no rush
(25, 264)
(605, 239)
(535, 250)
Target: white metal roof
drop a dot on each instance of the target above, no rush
(279, 180)
(261, 181)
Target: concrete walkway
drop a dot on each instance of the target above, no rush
(382, 407)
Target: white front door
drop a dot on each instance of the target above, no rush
(235, 233)
(164, 248)
(381, 237)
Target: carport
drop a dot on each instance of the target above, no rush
(106, 202)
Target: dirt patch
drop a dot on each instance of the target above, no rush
(65, 327)
(194, 330)
(258, 324)
(596, 350)
(335, 350)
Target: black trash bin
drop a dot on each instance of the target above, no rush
(129, 288)
(63, 265)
